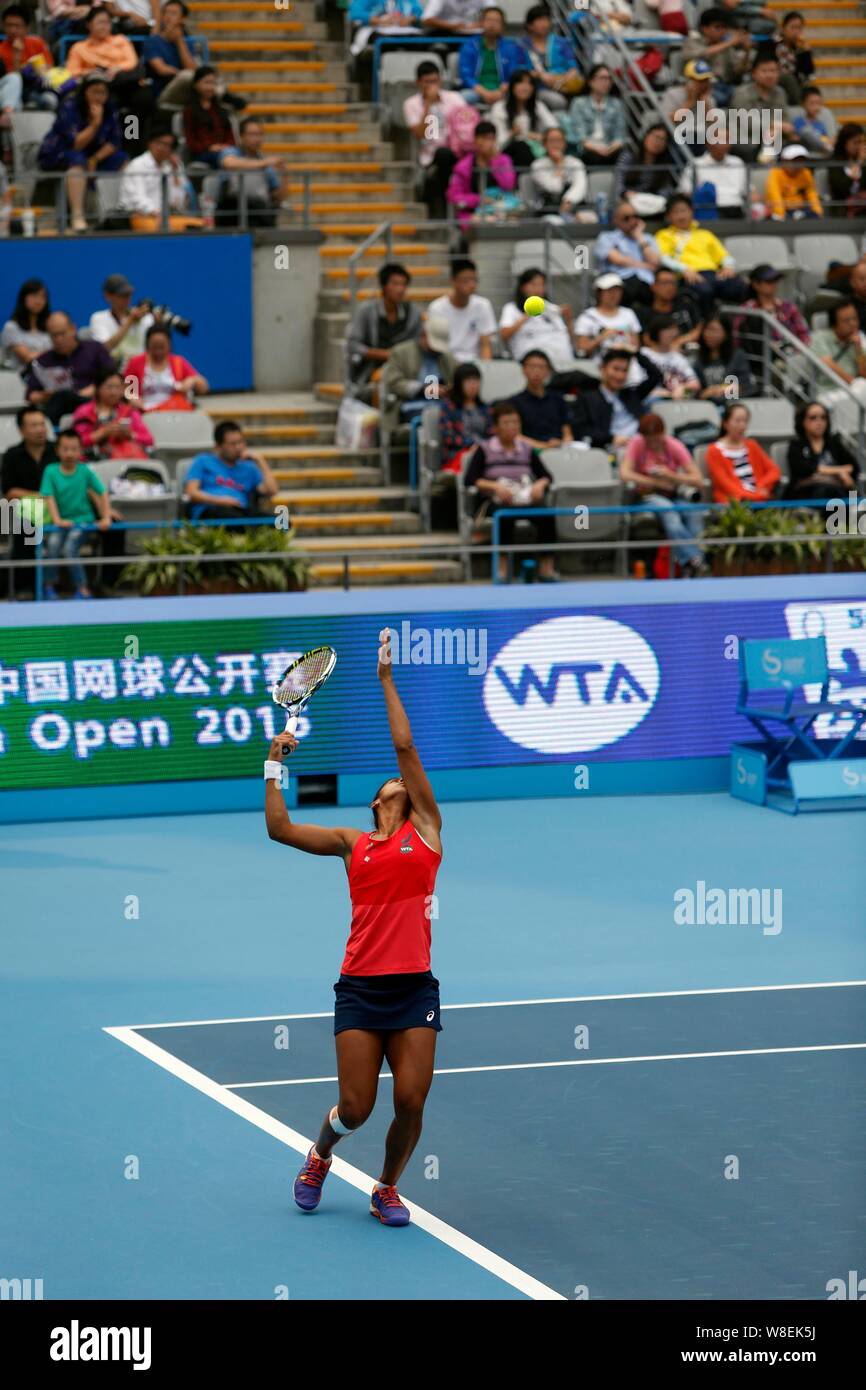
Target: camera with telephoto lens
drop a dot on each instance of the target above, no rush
(166, 317)
(689, 494)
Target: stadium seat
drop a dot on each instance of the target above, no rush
(11, 392)
(397, 69)
(677, 413)
(9, 433)
(779, 455)
(589, 494)
(107, 195)
(500, 379)
(772, 418)
(814, 254)
(749, 251)
(600, 181)
(429, 459)
(28, 130)
(176, 432)
(568, 465)
(700, 457)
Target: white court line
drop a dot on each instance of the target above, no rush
(514, 1003)
(463, 1244)
(580, 1062)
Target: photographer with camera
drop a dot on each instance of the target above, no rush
(662, 471)
(121, 328)
(163, 380)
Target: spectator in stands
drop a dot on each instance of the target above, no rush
(679, 379)
(545, 418)
(645, 175)
(727, 50)
(64, 18)
(208, 130)
(108, 426)
(480, 178)
(521, 120)
(549, 332)
(820, 464)
(845, 175)
(162, 379)
(749, 332)
(550, 59)
(670, 296)
(136, 17)
(628, 252)
(855, 288)
(817, 127)
(378, 326)
(608, 416)
(595, 124)
(464, 419)
(739, 468)
(227, 482)
(65, 376)
(387, 16)
(507, 472)
(121, 328)
(790, 190)
(750, 15)
(167, 55)
(671, 15)
(452, 17)
(682, 103)
(418, 372)
(427, 113)
(471, 321)
(21, 480)
(698, 255)
(842, 346)
(487, 62)
(115, 59)
(662, 472)
(76, 498)
(723, 369)
(265, 188)
(559, 178)
(796, 64)
(721, 172)
(86, 137)
(17, 50)
(25, 332)
(617, 14)
(764, 104)
(141, 187)
(609, 322)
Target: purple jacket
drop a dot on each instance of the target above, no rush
(501, 173)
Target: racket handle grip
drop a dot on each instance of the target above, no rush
(291, 725)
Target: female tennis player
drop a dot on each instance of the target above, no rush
(387, 1000)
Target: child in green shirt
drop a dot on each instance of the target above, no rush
(73, 493)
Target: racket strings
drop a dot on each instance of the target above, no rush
(304, 677)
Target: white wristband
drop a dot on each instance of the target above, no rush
(273, 770)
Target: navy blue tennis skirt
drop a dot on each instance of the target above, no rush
(384, 1003)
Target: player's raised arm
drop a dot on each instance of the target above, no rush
(313, 839)
(425, 812)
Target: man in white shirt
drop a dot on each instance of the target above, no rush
(725, 171)
(471, 320)
(121, 327)
(134, 16)
(452, 16)
(141, 187)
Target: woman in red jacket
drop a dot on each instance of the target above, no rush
(739, 468)
(108, 426)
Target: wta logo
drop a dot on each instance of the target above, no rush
(569, 685)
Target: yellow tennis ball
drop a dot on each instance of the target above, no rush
(534, 305)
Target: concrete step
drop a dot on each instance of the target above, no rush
(430, 251)
(366, 274)
(394, 547)
(325, 214)
(312, 500)
(313, 91)
(384, 525)
(359, 231)
(312, 476)
(268, 28)
(318, 153)
(334, 302)
(254, 413)
(329, 390)
(251, 69)
(364, 572)
(319, 454)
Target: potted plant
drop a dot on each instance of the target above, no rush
(241, 567)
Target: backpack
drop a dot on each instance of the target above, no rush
(461, 130)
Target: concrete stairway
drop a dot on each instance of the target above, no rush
(337, 500)
(836, 33)
(295, 80)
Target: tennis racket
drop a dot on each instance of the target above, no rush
(300, 681)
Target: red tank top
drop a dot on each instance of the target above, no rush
(391, 885)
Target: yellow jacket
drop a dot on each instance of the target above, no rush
(788, 190)
(696, 248)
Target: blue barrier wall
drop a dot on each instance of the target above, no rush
(207, 278)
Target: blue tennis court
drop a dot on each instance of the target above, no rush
(626, 1105)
